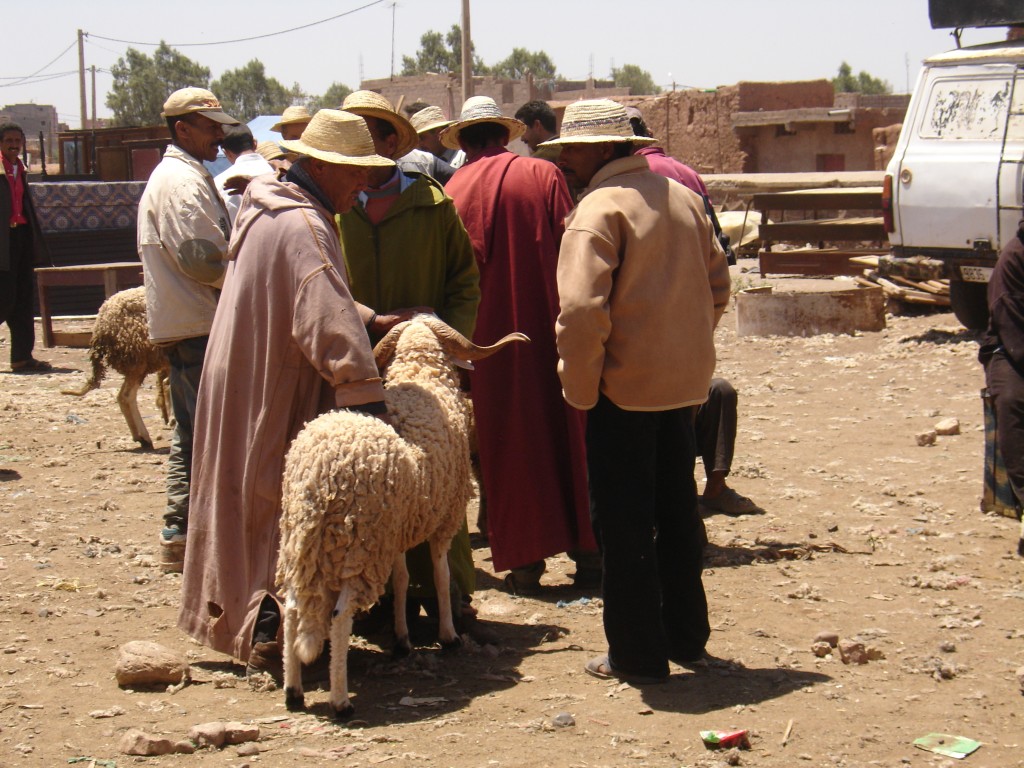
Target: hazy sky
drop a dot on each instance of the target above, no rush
(695, 44)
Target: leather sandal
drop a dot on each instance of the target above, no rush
(601, 668)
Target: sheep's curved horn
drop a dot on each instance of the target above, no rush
(385, 348)
(457, 345)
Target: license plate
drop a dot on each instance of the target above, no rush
(976, 274)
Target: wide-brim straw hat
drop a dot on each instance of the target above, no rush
(269, 150)
(429, 118)
(372, 104)
(338, 137)
(480, 109)
(291, 116)
(596, 121)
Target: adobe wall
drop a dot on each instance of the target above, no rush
(769, 97)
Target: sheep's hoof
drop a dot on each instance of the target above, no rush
(294, 701)
(146, 445)
(402, 649)
(345, 711)
(450, 646)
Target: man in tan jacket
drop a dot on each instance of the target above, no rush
(642, 282)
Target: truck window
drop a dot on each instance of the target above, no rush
(967, 110)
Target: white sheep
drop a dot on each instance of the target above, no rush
(358, 493)
(120, 340)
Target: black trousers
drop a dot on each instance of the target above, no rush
(1006, 387)
(715, 426)
(643, 503)
(17, 290)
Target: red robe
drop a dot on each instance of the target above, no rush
(532, 453)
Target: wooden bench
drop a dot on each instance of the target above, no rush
(853, 232)
(113, 277)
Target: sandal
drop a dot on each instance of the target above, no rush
(515, 587)
(731, 503)
(601, 668)
(31, 366)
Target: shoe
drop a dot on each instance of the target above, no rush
(601, 668)
(587, 578)
(729, 502)
(172, 549)
(265, 658)
(478, 630)
(518, 587)
(31, 366)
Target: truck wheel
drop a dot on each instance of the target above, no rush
(970, 303)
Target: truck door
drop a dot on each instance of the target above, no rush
(947, 187)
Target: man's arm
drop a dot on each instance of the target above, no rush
(462, 277)
(194, 229)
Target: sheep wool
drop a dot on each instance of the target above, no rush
(120, 340)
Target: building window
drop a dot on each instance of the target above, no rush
(843, 128)
(784, 130)
(829, 163)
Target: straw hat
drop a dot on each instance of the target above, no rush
(337, 137)
(291, 116)
(372, 104)
(428, 119)
(269, 150)
(186, 101)
(480, 109)
(594, 122)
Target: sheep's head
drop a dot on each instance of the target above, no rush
(456, 346)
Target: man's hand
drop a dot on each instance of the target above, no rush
(236, 185)
(384, 322)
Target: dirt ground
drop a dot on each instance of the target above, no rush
(866, 535)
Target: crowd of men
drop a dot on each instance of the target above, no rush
(268, 284)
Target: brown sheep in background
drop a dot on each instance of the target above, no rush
(120, 340)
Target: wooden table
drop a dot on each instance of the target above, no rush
(821, 258)
(113, 277)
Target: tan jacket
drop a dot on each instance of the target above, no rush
(642, 283)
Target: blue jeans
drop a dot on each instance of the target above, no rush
(186, 359)
(643, 504)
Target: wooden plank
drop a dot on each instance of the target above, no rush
(837, 198)
(868, 228)
(804, 262)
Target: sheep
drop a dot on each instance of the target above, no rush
(358, 492)
(120, 340)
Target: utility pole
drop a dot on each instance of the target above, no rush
(467, 54)
(81, 76)
(92, 123)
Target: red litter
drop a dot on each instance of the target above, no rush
(726, 739)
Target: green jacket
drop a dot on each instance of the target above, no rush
(418, 255)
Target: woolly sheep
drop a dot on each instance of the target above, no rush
(358, 493)
(120, 340)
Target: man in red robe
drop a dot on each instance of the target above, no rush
(532, 455)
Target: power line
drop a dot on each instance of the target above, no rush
(49, 64)
(42, 78)
(243, 39)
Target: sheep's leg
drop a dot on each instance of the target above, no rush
(127, 399)
(341, 631)
(446, 633)
(400, 590)
(163, 395)
(293, 695)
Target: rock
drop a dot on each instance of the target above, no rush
(239, 733)
(948, 646)
(184, 747)
(136, 742)
(948, 427)
(208, 735)
(1020, 678)
(144, 663)
(873, 654)
(248, 750)
(821, 650)
(926, 438)
(832, 638)
(852, 652)
(732, 757)
(563, 720)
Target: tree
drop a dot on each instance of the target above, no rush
(521, 61)
(247, 92)
(639, 81)
(441, 54)
(845, 82)
(142, 84)
(331, 99)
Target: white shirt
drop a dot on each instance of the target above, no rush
(247, 166)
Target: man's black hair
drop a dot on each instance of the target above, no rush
(416, 106)
(481, 135)
(537, 110)
(238, 139)
(8, 127)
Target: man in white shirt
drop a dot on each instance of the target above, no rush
(246, 164)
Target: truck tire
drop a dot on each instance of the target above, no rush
(970, 303)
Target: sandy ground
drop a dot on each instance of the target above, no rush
(865, 535)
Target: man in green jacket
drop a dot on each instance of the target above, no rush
(407, 251)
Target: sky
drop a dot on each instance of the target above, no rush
(683, 42)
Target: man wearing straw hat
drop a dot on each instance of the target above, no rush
(513, 208)
(429, 122)
(293, 121)
(182, 233)
(407, 252)
(642, 283)
(423, 158)
(287, 344)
